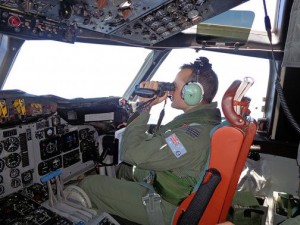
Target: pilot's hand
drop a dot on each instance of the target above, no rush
(152, 85)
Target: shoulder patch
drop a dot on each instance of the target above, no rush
(176, 146)
(192, 131)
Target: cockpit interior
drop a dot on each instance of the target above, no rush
(48, 142)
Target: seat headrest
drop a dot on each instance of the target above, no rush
(235, 105)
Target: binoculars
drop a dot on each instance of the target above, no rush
(163, 87)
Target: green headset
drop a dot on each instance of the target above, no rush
(192, 92)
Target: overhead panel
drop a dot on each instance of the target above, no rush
(139, 21)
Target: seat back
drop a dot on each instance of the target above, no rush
(230, 146)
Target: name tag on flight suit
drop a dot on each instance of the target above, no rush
(175, 145)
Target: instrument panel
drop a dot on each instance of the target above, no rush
(137, 21)
(37, 137)
(30, 151)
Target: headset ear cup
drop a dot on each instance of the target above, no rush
(192, 93)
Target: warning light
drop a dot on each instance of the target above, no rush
(14, 21)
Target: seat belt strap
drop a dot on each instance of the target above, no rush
(152, 202)
(197, 206)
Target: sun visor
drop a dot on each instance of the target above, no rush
(230, 28)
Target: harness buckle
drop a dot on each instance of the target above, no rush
(151, 198)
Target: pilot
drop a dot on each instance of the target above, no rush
(170, 160)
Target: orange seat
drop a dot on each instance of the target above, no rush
(229, 150)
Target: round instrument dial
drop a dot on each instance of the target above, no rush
(26, 176)
(14, 173)
(13, 160)
(11, 144)
(83, 134)
(51, 147)
(16, 182)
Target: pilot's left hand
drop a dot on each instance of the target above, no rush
(152, 85)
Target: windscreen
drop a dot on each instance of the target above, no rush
(74, 70)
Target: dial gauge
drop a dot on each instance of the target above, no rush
(14, 173)
(11, 144)
(16, 182)
(51, 147)
(83, 134)
(13, 160)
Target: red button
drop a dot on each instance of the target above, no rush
(14, 21)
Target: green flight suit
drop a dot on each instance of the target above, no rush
(156, 152)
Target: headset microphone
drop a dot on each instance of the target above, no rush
(163, 87)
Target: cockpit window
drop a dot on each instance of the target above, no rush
(228, 67)
(75, 70)
(89, 71)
